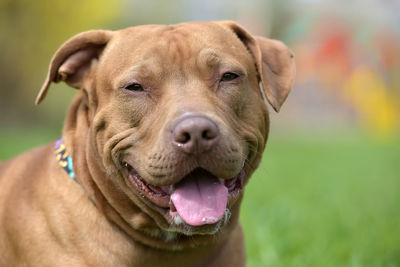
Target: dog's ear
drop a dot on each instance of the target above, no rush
(74, 58)
(274, 61)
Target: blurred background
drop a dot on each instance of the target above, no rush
(328, 190)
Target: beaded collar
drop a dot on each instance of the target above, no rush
(64, 159)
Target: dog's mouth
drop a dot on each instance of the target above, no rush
(199, 198)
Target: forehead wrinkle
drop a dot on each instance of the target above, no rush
(178, 46)
(209, 57)
(141, 70)
(148, 71)
(215, 60)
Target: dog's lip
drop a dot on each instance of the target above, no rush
(161, 195)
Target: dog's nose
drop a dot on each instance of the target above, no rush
(194, 134)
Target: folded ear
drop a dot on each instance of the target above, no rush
(274, 61)
(73, 59)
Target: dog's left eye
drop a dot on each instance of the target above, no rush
(134, 87)
(229, 76)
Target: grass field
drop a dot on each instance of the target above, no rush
(314, 201)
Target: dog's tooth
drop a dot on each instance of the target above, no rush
(209, 220)
(178, 220)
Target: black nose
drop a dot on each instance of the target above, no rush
(194, 134)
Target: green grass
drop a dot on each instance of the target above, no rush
(15, 141)
(314, 201)
(331, 201)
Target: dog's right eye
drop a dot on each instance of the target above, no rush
(134, 87)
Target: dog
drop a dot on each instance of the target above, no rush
(168, 126)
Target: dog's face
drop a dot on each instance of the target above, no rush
(176, 115)
(188, 119)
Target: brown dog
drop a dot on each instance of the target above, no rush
(168, 126)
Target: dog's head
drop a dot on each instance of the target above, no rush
(176, 116)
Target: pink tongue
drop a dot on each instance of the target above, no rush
(200, 199)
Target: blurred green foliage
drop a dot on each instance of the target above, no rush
(30, 32)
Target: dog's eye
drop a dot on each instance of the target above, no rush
(134, 87)
(229, 76)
